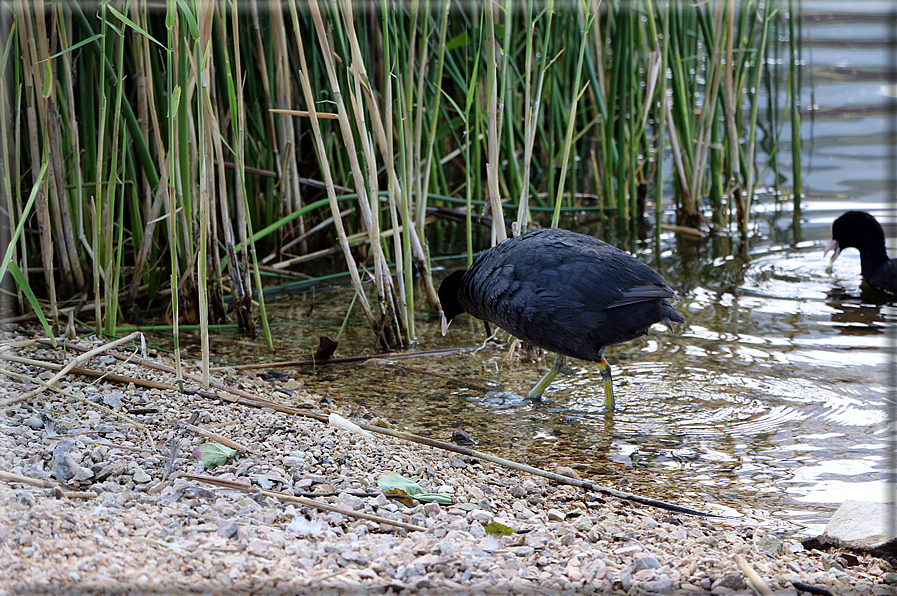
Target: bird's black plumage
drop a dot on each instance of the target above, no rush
(565, 292)
(860, 230)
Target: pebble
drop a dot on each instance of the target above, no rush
(227, 528)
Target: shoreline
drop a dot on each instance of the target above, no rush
(150, 532)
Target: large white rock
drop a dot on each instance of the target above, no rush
(862, 525)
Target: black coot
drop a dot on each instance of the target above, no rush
(858, 229)
(565, 292)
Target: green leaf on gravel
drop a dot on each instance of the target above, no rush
(213, 455)
(497, 529)
(408, 486)
(398, 485)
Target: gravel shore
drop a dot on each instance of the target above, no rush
(117, 514)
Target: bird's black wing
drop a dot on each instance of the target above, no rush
(637, 294)
(884, 278)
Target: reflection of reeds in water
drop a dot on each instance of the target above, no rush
(175, 141)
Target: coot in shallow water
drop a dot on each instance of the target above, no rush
(858, 229)
(564, 292)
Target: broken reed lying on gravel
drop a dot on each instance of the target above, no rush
(234, 395)
(171, 191)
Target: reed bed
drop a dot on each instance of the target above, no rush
(177, 153)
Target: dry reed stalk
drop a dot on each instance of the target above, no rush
(146, 243)
(395, 190)
(32, 79)
(50, 127)
(88, 372)
(243, 303)
(69, 494)
(395, 320)
(730, 98)
(174, 97)
(83, 400)
(266, 87)
(427, 167)
(283, 90)
(392, 326)
(325, 170)
(532, 110)
(676, 150)
(498, 216)
(138, 51)
(69, 79)
(76, 270)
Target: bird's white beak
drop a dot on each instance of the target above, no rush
(832, 245)
(445, 323)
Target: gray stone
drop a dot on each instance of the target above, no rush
(291, 461)
(861, 525)
(771, 545)
(889, 578)
(477, 530)
(35, 422)
(103, 472)
(568, 472)
(82, 474)
(65, 467)
(584, 523)
(658, 585)
(648, 562)
(113, 400)
(733, 581)
(351, 501)
(141, 477)
(556, 515)
(227, 528)
(518, 491)
(478, 515)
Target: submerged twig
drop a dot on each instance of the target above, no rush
(345, 359)
(465, 382)
(585, 484)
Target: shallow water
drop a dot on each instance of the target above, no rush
(772, 398)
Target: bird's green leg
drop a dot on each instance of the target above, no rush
(542, 385)
(604, 367)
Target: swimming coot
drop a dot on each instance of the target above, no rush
(858, 229)
(564, 292)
